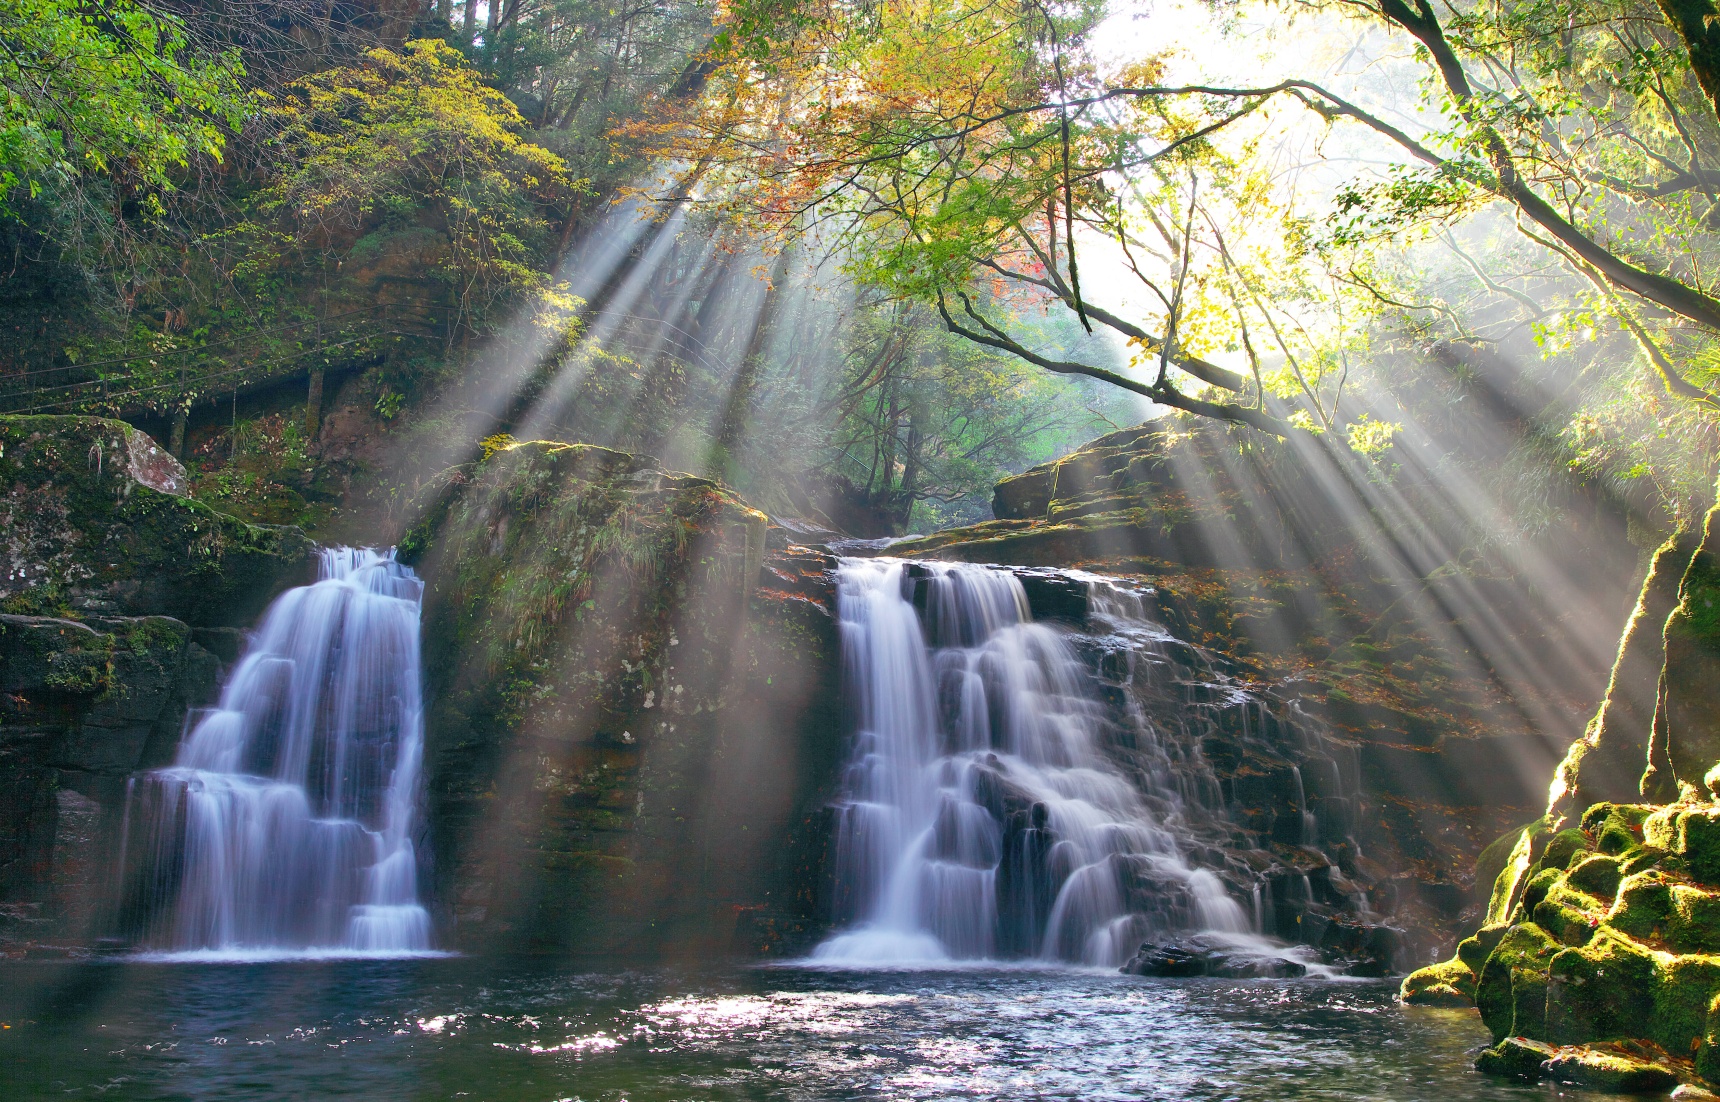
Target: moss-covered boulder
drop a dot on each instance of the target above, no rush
(1449, 983)
(1511, 989)
(94, 521)
(1692, 832)
(1600, 991)
(1608, 1071)
(1516, 1057)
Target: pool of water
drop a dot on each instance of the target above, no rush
(465, 1029)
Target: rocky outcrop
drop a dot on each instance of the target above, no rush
(94, 520)
(115, 612)
(634, 710)
(1598, 960)
(1326, 616)
(83, 705)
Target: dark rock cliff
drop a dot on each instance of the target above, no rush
(117, 608)
(634, 710)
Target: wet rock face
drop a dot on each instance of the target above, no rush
(1268, 572)
(82, 706)
(94, 521)
(117, 600)
(634, 707)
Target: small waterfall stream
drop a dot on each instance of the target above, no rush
(979, 816)
(286, 824)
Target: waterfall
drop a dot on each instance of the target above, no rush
(286, 824)
(979, 816)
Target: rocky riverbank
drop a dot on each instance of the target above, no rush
(1598, 959)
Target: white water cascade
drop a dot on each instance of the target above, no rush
(286, 824)
(979, 817)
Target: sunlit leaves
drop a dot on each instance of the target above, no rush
(107, 88)
(409, 143)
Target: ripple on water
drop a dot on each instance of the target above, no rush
(468, 1029)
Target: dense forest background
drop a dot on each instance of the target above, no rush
(862, 260)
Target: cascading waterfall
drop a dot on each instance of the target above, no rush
(286, 823)
(979, 817)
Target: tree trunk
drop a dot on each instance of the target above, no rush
(313, 406)
(176, 441)
(731, 425)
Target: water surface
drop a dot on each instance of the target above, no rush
(451, 1029)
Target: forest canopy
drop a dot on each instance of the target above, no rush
(1303, 218)
(971, 154)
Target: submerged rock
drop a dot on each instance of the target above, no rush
(1209, 955)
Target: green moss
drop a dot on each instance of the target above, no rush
(1708, 1053)
(1690, 832)
(1629, 816)
(1569, 925)
(1537, 888)
(1643, 905)
(1562, 847)
(1516, 1057)
(1449, 983)
(1511, 989)
(1507, 888)
(1473, 951)
(1598, 875)
(1601, 991)
(1608, 1071)
(1694, 924)
(1684, 988)
(79, 671)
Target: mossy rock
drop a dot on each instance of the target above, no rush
(1608, 1071)
(1508, 886)
(1684, 989)
(96, 522)
(1601, 991)
(1708, 1054)
(1562, 847)
(1643, 906)
(1628, 816)
(1690, 832)
(1449, 983)
(1597, 874)
(1537, 888)
(1568, 925)
(1516, 1057)
(1694, 924)
(1473, 951)
(1511, 989)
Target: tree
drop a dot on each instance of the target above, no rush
(974, 148)
(105, 89)
(406, 155)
